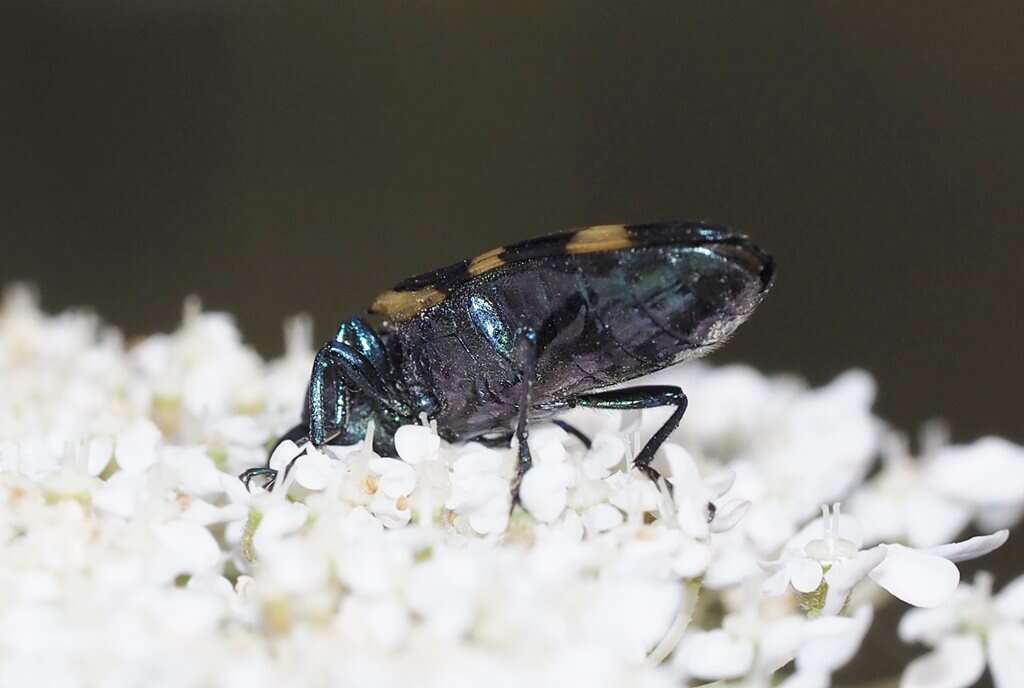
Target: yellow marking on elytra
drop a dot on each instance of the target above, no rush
(486, 262)
(402, 305)
(599, 238)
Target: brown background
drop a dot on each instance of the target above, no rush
(279, 157)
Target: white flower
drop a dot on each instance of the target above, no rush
(443, 591)
(545, 488)
(699, 511)
(633, 494)
(136, 447)
(759, 640)
(416, 443)
(123, 523)
(899, 504)
(602, 517)
(606, 452)
(288, 376)
(791, 448)
(120, 494)
(479, 490)
(313, 469)
(421, 447)
(986, 476)
(927, 501)
(185, 548)
(100, 451)
(396, 481)
(972, 628)
(258, 520)
(828, 550)
(544, 492)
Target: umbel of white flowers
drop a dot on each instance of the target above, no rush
(131, 549)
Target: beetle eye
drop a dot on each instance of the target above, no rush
(490, 324)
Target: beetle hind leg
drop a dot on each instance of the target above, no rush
(527, 350)
(574, 431)
(643, 397)
(502, 441)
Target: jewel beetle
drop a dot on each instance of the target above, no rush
(491, 344)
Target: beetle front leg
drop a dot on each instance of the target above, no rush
(299, 434)
(644, 397)
(349, 369)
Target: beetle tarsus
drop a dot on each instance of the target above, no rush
(574, 431)
(299, 435)
(248, 475)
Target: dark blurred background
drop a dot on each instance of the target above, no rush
(277, 157)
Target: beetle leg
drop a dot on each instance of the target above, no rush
(495, 441)
(574, 431)
(299, 435)
(247, 476)
(358, 334)
(526, 346)
(643, 397)
(352, 367)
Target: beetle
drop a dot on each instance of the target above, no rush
(491, 344)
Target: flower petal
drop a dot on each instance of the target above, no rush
(543, 491)
(781, 641)
(601, 517)
(932, 520)
(1010, 600)
(1006, 655)
(929, 626)
(713, 655)
(605, 453)
(730, 565)
(848, 529)
(283, 455)
(692, 559)
(416, 443)
(101, 450)
(185, 548)
(313, 470)
(805, 574)
(777, 583)
(728, 514)
(807, 679)
(916, 577)
(397, 478)
(999, 517)
(832, 641)
(136, 447)
(279, 520)
(956, 663)
(847, 573)
(682, 468)
(720, 482)
(972, 548)
(987, 472)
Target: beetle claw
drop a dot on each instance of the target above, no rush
(247, 476)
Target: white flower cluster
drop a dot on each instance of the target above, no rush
(132, 555)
